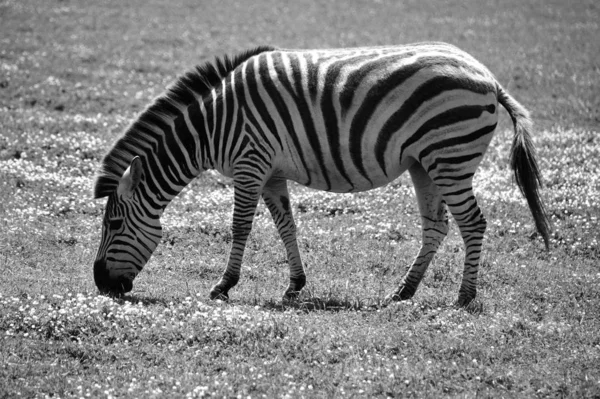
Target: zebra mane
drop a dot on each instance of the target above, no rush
(194, 84)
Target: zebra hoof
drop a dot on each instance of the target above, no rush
(217, 294)
(401, 294)
(293, 291)
(291, 295)
(464, 300)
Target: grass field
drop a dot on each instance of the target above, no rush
(73, 74)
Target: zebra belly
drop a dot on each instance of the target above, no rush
(343, 179)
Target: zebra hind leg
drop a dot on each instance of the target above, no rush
(277, 199)
(434, 228)
(472, 224)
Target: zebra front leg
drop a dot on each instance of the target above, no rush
(244, 207)
(277, 198)
(434, 227)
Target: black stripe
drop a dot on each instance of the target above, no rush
(287, 120)
(241, 147)
(259, 154)
(135, 240)
(138, 208)
(372, 100)
(446, 118)
(169, 150)
(248, 173)
(309, 125)
(469, 198)
(150, 190)
(257, 101)
(312, 79)
(197, 120)
(459, 177)
(210, 121)
(425, 92)
(237, 129)
(188, 144)
(121, 261)
(258, 145)
(228, 115)
(356, 77)
(467, 211)
(454, 160)
(155, 178)
(219, 139)
(330, 118)
(459, 192)
(454, 141)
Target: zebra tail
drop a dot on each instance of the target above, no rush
(524, 164)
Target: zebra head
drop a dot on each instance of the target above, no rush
(130, 233)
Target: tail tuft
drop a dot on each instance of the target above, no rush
(524, 164)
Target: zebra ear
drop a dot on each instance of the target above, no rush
(131, 178)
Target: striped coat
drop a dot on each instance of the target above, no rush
(342, 120)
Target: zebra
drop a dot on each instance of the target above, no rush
(340, 120)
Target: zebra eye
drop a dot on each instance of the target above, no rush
(115, 224)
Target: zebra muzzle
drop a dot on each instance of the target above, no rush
(108, 284)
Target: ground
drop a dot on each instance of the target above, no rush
(74, 74)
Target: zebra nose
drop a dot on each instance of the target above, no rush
(107, 284)
(101, 276)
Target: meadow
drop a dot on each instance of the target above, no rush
(73, 75)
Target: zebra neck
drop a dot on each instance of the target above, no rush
(174, 157)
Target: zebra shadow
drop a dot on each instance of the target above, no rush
(333, 304)
(308, 303)
(317, 304)
(137, 299)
